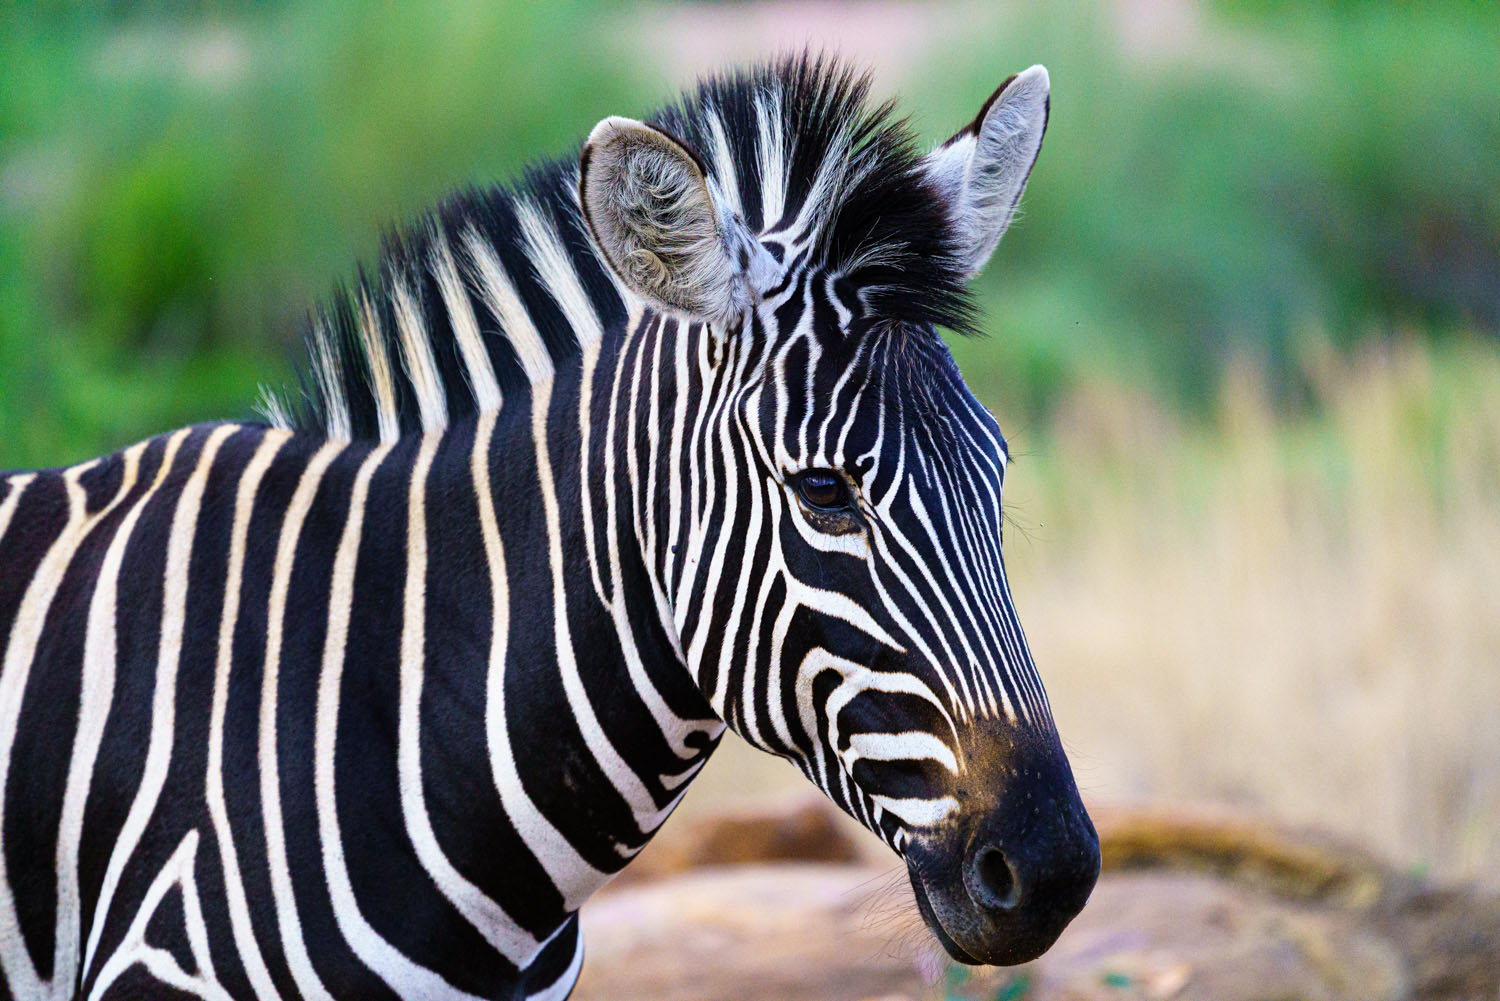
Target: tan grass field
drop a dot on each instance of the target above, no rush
(1296, 615)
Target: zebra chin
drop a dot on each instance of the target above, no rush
(997, 886)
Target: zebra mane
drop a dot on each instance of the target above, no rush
(485, 294)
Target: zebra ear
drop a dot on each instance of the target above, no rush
(661, 225)
(982, 170)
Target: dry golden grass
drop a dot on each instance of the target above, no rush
(1300, 616)
(1296, 615)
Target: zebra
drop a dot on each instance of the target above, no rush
(366, 699)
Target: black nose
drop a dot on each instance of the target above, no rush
(991, 880)
(1000, 879)
(1003, 894)
(1052, 874)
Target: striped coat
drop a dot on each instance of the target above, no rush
(365, 701)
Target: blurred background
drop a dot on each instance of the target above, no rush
(1243, 338)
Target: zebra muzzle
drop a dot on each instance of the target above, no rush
(998, 888)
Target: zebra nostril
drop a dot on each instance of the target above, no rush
(992, 881)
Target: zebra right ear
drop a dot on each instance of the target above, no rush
(660, 224)
(981, 172)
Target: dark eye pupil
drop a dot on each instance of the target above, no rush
(823, 490)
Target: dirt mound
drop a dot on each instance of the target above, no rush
(1191, 905)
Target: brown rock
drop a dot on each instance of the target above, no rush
(799, 931)
(1170, 934)
(777, 930)
(821, 932)
(1193, 904)
(1289, 862)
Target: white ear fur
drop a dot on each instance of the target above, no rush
(982, 170)
(659, 223)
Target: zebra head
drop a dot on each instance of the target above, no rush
(834, 569)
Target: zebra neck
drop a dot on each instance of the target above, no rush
(486, 656)
(550, 673)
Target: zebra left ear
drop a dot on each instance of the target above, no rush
(657, 216)
(982, 170)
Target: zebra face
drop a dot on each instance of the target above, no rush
(842, 598)
(893, 668)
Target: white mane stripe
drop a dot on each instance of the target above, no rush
(832, 177)
(728, 186)
(554, 266)
(387, 426)
(772, 157)
(480, 372)
(500, 296)
(327, 372)
(421, 368)
(273, 409)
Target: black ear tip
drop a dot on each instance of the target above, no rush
(584, 156)
(974, 126)
(972, 129)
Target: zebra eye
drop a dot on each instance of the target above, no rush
(823, 489)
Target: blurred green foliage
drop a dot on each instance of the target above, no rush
(1234, 186)
(175, 188)
(177, 185)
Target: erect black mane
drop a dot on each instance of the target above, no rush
(778, 134)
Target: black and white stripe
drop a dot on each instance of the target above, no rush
(367, 702)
